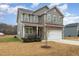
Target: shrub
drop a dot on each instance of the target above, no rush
(15, 36)
(32, 38)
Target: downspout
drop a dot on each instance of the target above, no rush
(44, 25)
(37, 27)
(45, 33)
(45, 29)
(63, 33)
(37, 30)
(62, 30)
(77, 30)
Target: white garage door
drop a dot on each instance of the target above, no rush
(54, 34)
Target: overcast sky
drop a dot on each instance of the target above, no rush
(8, 11)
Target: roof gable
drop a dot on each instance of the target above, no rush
(56, 10)
(21, 10)
(72, 25)
(41, 10)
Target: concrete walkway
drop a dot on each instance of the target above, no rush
(73, 42)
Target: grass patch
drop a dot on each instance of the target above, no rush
(9, 38)
(34, 49)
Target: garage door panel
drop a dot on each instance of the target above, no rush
(54, 34)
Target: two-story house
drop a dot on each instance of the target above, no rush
(45, 22)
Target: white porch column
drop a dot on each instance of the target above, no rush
(23, 31)
(45, 33)
(37, 30)
(62, 33)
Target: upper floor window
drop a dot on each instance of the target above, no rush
(36, 19)
(25, 17)
(21, 17)
(31, 18)
(48, 18)
(54, 19)
(40, 19)
(61, 20)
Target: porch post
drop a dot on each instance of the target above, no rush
(45, 29)
(63, 33)
(37, 30)
(45, 33)
(23, 31)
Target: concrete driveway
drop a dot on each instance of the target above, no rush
(73, 42)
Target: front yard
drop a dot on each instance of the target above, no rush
(18, 48)
(9, 38)
(71, 38)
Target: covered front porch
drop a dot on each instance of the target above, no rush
(33, 33)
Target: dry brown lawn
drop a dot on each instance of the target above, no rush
(5, 36)
(72, 38)
(10, 46)
(34, 49)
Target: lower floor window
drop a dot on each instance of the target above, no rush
(29, 30)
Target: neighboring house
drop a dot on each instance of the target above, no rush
(45, 22)
(71, 30)
(1, 34)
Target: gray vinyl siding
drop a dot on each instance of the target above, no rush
(54, 17)
(78, 27)
(26, 18)
(49, 20)
(20, 25)
(70, 31)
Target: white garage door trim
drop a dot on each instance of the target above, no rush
(54, 34)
